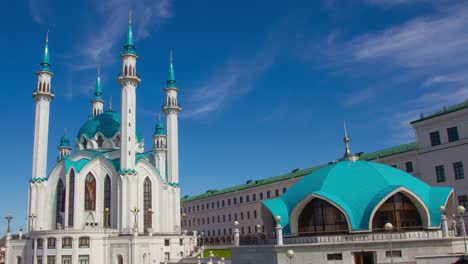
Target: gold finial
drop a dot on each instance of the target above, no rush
(110, 103)
(99, 70)
(130, 17)
(47, 37)
(347, 155)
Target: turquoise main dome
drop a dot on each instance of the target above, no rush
(108, 123)
(357, 188)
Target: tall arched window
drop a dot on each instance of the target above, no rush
(399, 211)
(100, 141)
(107, 201)
(60, 203)
(147, 203)
(90, 192)
(19, 260)
(320, 216)
(120, 259)
(71, 198)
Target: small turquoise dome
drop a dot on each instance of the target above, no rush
(357, 188)
(159, 129)
(108, 123)
(64, 141)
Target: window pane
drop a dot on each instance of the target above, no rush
(452, 133)
(458, 169)
(440, 173)
(435, 138)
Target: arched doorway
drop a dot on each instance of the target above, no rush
(398, 210)
(120, 259)
(319, 217)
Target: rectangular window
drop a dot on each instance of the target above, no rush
(284, 190)
(235, 200)
(84, 242)
(229, 202)
(39, 259)
(219, 219)
(276, 192)
(394, 253)
(254, 197)
(435, 138)
(230, 231)
(458, 169)
(241, 199)
(452, 133)
(208, 219)
(242, 215)
(463, 200)
(166, 242)
(181, 242)
(242, 230)
(51, 243)
(207, 206)
(247, 198)
(212, 205)
(268, 195)
(235, 216)
(394, 166)
(230, 218)
(249, 229)
(83, 259)
(203, 207)
(212, 219)
(50, 259)
(203, 220)
(224, 218)
(409, 166)
(222, 203)
(248, 214)
(217, 204)
(440, 173)
(335, 256)
(261, 196)
(255, 214)
(67, 242)
(198, 208)
(39, 243)
(66, 259)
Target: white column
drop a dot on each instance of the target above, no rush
(41, 135)
(444, 226)
(279, 234)
(173, 146)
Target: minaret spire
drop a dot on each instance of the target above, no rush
(45, 63)
(347, 155)
(98, 102)
(171, 76)
(64, 147)
(129, 45)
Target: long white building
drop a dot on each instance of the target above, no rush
(437, 157)
(109, 201)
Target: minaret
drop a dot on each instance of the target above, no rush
(160, 150)
(64, 147)
(98, 102)
(172, 109)
(347, 155)
(129, 81)
(43, 95)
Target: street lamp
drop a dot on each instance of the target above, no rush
(259, 232)
(9, 217)
(107, 219)
(135, 212)
(290, 254)
(279, 231)
(461, 211)
(389, 228)
(222, 261)
(236, 234)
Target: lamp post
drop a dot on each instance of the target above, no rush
(389, 228)
(31, 221)
(9, 217)
(211, 258)
(135, 212)
(461, 211)
(290, 254)
(236, 234)
(443, 222)
(149, 229)
(222, 261)
(279, 231)
(259, 232)
(107, 219)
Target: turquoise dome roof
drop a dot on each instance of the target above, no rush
(108, 123)
(357, 187)
(64, 141)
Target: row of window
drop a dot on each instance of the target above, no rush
(452, 135)
(457, 168)
(223, 203)
(67, 242)
(408, 166)
(66, 259)
(243, 230)
(212, 219)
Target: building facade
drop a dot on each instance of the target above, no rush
(109, 201)
(437, 157)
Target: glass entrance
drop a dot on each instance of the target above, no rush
(364, 257)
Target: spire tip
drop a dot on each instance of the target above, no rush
(130, 17)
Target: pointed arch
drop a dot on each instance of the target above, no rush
(100, 141)
(107, 201)
(125, 70)
(60, 203)
(120, 259)
(90, 193)
(71, 197)
(147, 203)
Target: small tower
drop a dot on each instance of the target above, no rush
(98, 102)
(160, 148)
(347, 155)
(64, 147)
(129, 81)
(172, 110)
(43, 95)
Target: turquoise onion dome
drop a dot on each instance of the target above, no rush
(129, 46)
(159, 129)
(64, 141)
(98, 88)
(45, 63)
(171, 76)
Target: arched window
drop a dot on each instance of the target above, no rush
(100, 141)
(107, 201)
(320, 216)
(145, 260)
(85, 142)
(71, 197)
(147, 203)
(90, 192)
(399, 211)
(19, 260)
(120, 259)
(60, 203)
(125, 70)
(117, 141)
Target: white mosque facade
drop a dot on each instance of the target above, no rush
(109, 201)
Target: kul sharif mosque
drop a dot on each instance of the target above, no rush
(108, 202)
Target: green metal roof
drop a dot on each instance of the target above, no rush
(299, 173)
(98, 89)
(45, 63)
(357, 187)
(64, 141)
(129, 46)
(108, 123)
(171, 76)
(159, 129)
(451, 109)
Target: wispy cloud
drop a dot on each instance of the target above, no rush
(360, 97)
(39, 11)
(403, 2)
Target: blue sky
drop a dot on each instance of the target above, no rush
(264, 85)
